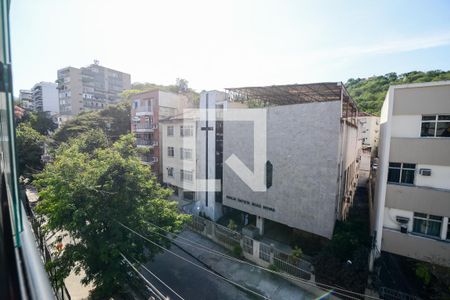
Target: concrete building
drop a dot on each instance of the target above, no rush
(412, 196)
(45, 97)
(311, 159)
(179, 155)
(89, 88)
(26, 99)
(369, 131)
(147, 110)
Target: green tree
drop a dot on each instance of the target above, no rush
(30, 147)
(114, 121)
(40, 121)
(86, 191)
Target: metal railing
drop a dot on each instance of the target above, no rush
(145, 142)
(148, 126)
(391, 294)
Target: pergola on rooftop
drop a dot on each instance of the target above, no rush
(297, 94)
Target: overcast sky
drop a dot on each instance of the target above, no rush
(218, 44)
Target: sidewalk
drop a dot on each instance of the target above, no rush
(271, 285)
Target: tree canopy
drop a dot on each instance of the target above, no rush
(114, 121)
(86, 191)
(369, 93)
(30, 147)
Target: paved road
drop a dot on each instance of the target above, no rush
(189, 281)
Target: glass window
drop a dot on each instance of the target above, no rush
(170, 172)
(185, 153)
(185, 175)
(186, 130)
(170, 151)
(435, 126)
(401, 173)
(427, 224)
(169, 130)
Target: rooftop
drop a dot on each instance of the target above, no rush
(296, 94)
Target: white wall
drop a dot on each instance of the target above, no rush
(177, 142)
(440, 177)
(406, 126)
(390, 215)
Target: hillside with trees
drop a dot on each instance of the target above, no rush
(369, 93)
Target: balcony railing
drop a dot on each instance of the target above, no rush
(149, 160)
(145, 142)
(145, 108)
(145, 126)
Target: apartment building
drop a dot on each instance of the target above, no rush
(26, 99)
(147, 110)
(45, 97)
(311, 163)
(179, 155)
(369, 131)
(89, 88)
(413, 183)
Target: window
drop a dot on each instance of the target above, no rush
(401, 173)
(170, 171)
(435, 126)
(427, 224)
(170, 151)
(136, 104)
(185, 153)
(186, 130)
(185, 175)
(169, 130)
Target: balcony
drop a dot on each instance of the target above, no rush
(145, 127)
(150, 160)
(146, 143)
(417, 247)
(145, 110)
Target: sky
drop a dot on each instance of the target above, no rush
(219, 44)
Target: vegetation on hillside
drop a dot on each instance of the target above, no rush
(369, 93)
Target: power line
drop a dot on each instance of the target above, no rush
(152, 287)
(322, 286)
(188, 261)
(204, 248)
(157, 278)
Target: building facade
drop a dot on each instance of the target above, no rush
(179, 155)
(89, 88)
(147, 110)
(413, 182)
(26, 99)
(369, 131)
(311, 158)
(45, 97)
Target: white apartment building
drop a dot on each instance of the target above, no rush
(178, 152)
(45, 97)
(26, 99)
(369, 131)
(412, 196)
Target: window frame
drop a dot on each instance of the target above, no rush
(186, 128)
(170, 171)
(183, 152)
(183, 174)
(169, 148)
(436, 121)
(427, 219)
(170, 130)
(401, 169)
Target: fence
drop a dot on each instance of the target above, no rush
(253, 250)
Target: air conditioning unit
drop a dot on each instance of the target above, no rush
(402, 220)
(425, 172)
